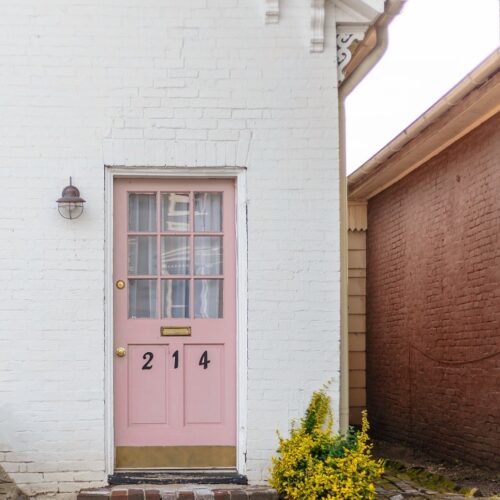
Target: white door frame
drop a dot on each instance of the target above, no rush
(239, 174)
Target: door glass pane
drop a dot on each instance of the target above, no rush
(208, 255)
(142, 255)
(208, 298)
(175, 255)
(208, 212)
(142, 212)
(175, 211)
(142, 299)
(175, 299)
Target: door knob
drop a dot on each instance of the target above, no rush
(121, 351)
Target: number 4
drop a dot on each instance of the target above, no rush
(204, 360)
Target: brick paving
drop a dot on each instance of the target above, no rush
(389, 488)
(181, 492)
(393, 488)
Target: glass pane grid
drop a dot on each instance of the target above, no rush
(182, 233)
(175, 295)
(208, 298)
(142, 212)
(207, 255)
(175, 255)
(175, 212)
(207, 212)
(175, 248)
(142, 255)
(142, 298)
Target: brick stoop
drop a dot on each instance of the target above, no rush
(181, 492)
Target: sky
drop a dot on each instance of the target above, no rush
(433, 44)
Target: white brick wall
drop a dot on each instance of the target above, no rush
(86, 83)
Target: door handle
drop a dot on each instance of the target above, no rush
(121, 351)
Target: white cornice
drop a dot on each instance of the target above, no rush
(357, 11)
(272, 11)
(353, 18)
(317, 25)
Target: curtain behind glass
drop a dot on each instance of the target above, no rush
(142, 259)
(208, 212)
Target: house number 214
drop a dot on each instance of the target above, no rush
(148, 357)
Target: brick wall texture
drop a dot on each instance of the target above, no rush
(433, 307)
(158, 83)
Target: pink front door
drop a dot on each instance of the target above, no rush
(174, 323)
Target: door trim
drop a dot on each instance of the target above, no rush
(239, 175)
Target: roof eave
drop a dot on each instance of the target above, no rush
(371, 48)
(471, 102)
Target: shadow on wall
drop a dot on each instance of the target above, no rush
(8, 489)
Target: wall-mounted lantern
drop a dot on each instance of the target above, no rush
(70, 204)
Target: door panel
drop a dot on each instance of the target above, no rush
(203, 375)
(174, 247)
(147, 380)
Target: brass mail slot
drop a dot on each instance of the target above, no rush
(175, 331)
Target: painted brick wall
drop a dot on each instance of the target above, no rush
(158, 83)
(434, 303)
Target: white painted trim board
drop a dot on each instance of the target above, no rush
(239, 174)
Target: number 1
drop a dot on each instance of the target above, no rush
(175, 355)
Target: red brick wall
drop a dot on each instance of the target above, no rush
(433, 309)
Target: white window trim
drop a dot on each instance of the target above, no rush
(239, 174)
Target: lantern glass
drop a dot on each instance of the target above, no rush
(70, 205)
(71, 210)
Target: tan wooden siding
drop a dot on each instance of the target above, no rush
(357, 214)
(357, 310)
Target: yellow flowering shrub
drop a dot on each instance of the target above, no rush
(315, 464)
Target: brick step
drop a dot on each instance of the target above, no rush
(181, 492)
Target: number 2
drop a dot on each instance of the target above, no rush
(147, 365)
(204, 360)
